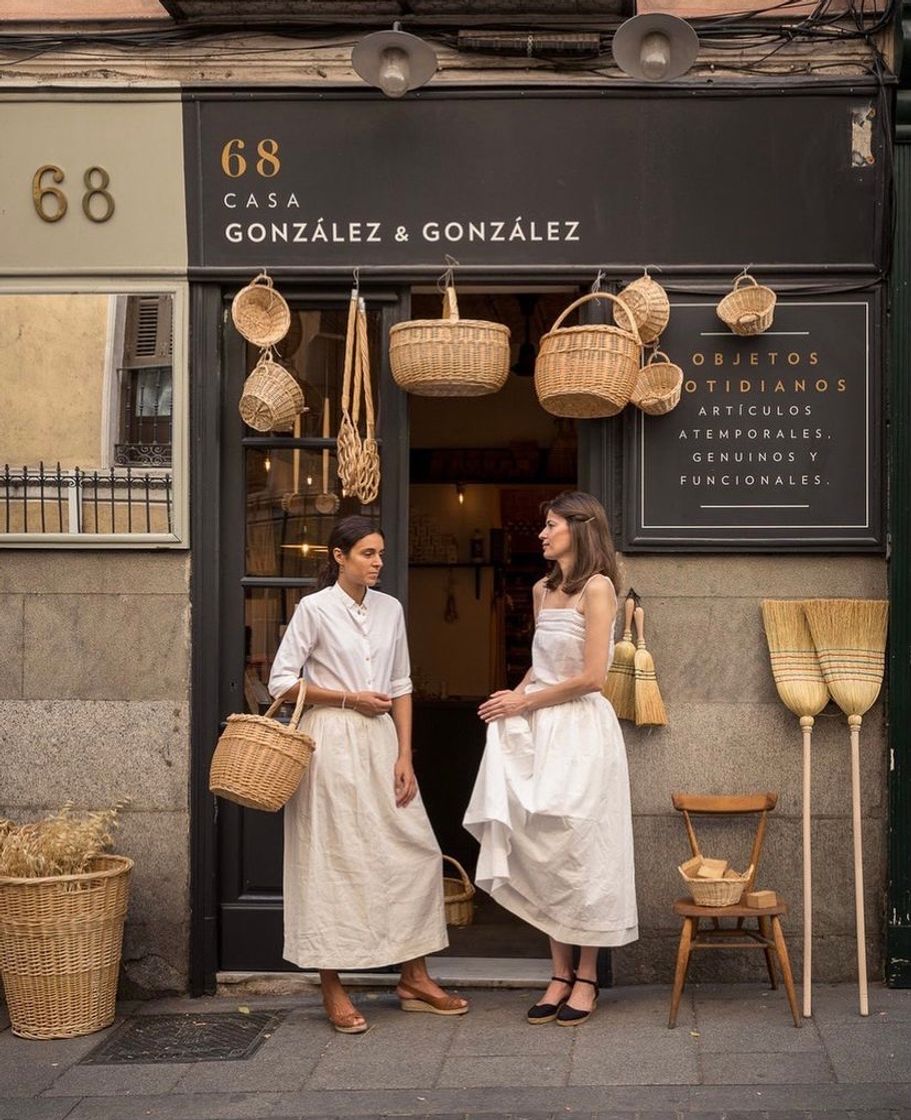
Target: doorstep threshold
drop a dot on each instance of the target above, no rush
(457, 972)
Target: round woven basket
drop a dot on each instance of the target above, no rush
(60, 947)
(449, 357)
(587, 371)
(258, 761)
(658, 386)
(651, 309)
(271, 397)
(457, 896)
(747, 309)
(260, 313)
(714, 892)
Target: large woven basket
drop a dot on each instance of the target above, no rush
(457, 896)
(714, 892)
(260, 313)
(587, 371)
(271, 397)
(658, 386)
(747, 309)
(60, 947)
(651, 309)
(258, 761)
(449, 357)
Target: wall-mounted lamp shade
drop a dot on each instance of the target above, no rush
(656, 47)
(394, 61)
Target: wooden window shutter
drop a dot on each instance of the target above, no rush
(147, 332)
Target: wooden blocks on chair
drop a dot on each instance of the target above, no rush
(711, 868)
(759, 899)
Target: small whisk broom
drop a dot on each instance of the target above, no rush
(850, 639)
(620, 685)
(802, 689)
(649, 705)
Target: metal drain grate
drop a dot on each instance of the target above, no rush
(222, 1036)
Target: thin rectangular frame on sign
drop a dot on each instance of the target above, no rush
(180, 412)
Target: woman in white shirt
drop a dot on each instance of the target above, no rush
(363, 882)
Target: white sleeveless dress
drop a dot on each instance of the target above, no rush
(551, 804)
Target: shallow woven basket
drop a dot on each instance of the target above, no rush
(651, 309)
(458, 895)
(587, 371)
(260, 313)
(714, 892)
(60, 946)
(749, 308)
(658, 386)
(449, 357)
(271, 397)
(258, 761)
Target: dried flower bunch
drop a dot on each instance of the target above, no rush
(64, 843)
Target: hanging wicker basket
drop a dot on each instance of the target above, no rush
(60, 948)
(651, 309)
(658, 386)
(260, 313)
(587, 371)
(749, 308)
(726, 891)
(271, 397)
(258, 761)
(457, 896)
(449, 357)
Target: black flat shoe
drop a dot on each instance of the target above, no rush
(547, 1012)
(571, 1016)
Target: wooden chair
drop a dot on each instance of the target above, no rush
(768, 936)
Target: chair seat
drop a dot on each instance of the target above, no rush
(686, 908)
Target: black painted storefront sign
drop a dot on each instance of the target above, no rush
(776, 442)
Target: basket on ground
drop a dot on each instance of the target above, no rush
(725, 891)
(650, 307)
(260, 313)
(748, 308)
(457, 896)
(449, 357)
(271, 397)
(60, 948)
(258, 761)
(587, 371)
(658, 386)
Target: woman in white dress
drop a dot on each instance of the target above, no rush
(551, 804)
(363, 884)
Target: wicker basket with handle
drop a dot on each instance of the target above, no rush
(260, 313)
(271, 397)
(651, 309)
(748, 308)
(587, 371)
(658, 386)
(258, 761)
(449, 357)
(714, 892)
(60, 948)
(457, 896)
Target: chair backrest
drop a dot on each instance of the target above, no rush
(727, 805)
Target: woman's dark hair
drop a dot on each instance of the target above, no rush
(344, 536)
(593, 546)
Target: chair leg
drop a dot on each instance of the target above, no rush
(784, 963)
(683, 960)
(766, 931)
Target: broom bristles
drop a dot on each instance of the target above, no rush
(649, 705)
(850, 639)
(798, 677)
(620, 684)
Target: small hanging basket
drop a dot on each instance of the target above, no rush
(651, 309)
(271, 398)
(260, 313)
(587, 371)
(749, 308)
(658, 386)
(449, 357)
(457, 896)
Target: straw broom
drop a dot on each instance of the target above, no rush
(802, 689)
(649, 705)
(850, 639)
(619, 687)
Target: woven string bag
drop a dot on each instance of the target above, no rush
(651, 309)
(367, 484)
(658, 386)
(260, 313)
(348, 444)
(271, 397)
(748, 308)
(588, 371)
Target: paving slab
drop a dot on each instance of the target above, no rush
(870, 1051)
(474, 1071)
(38, 1108)
(766, 1069)
(117, 1081)
(214, 1106)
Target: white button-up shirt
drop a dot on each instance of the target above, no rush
(337, 643)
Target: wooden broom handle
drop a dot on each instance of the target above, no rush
(854, 723)
(806, 724)
(628, 609)
(639, 615)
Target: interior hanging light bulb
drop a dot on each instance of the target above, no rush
(395, 72)
(655, 56)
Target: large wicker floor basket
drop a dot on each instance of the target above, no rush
(60, 948)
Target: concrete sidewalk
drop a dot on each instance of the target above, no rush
(734, 1054)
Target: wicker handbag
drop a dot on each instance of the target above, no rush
(271, 397)
(748, 308)
(457, 896)
(260, 313)
(258, 761)
(651, 309)
(658, 386)
(725, 891)
(449, 357)
(588, 371)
